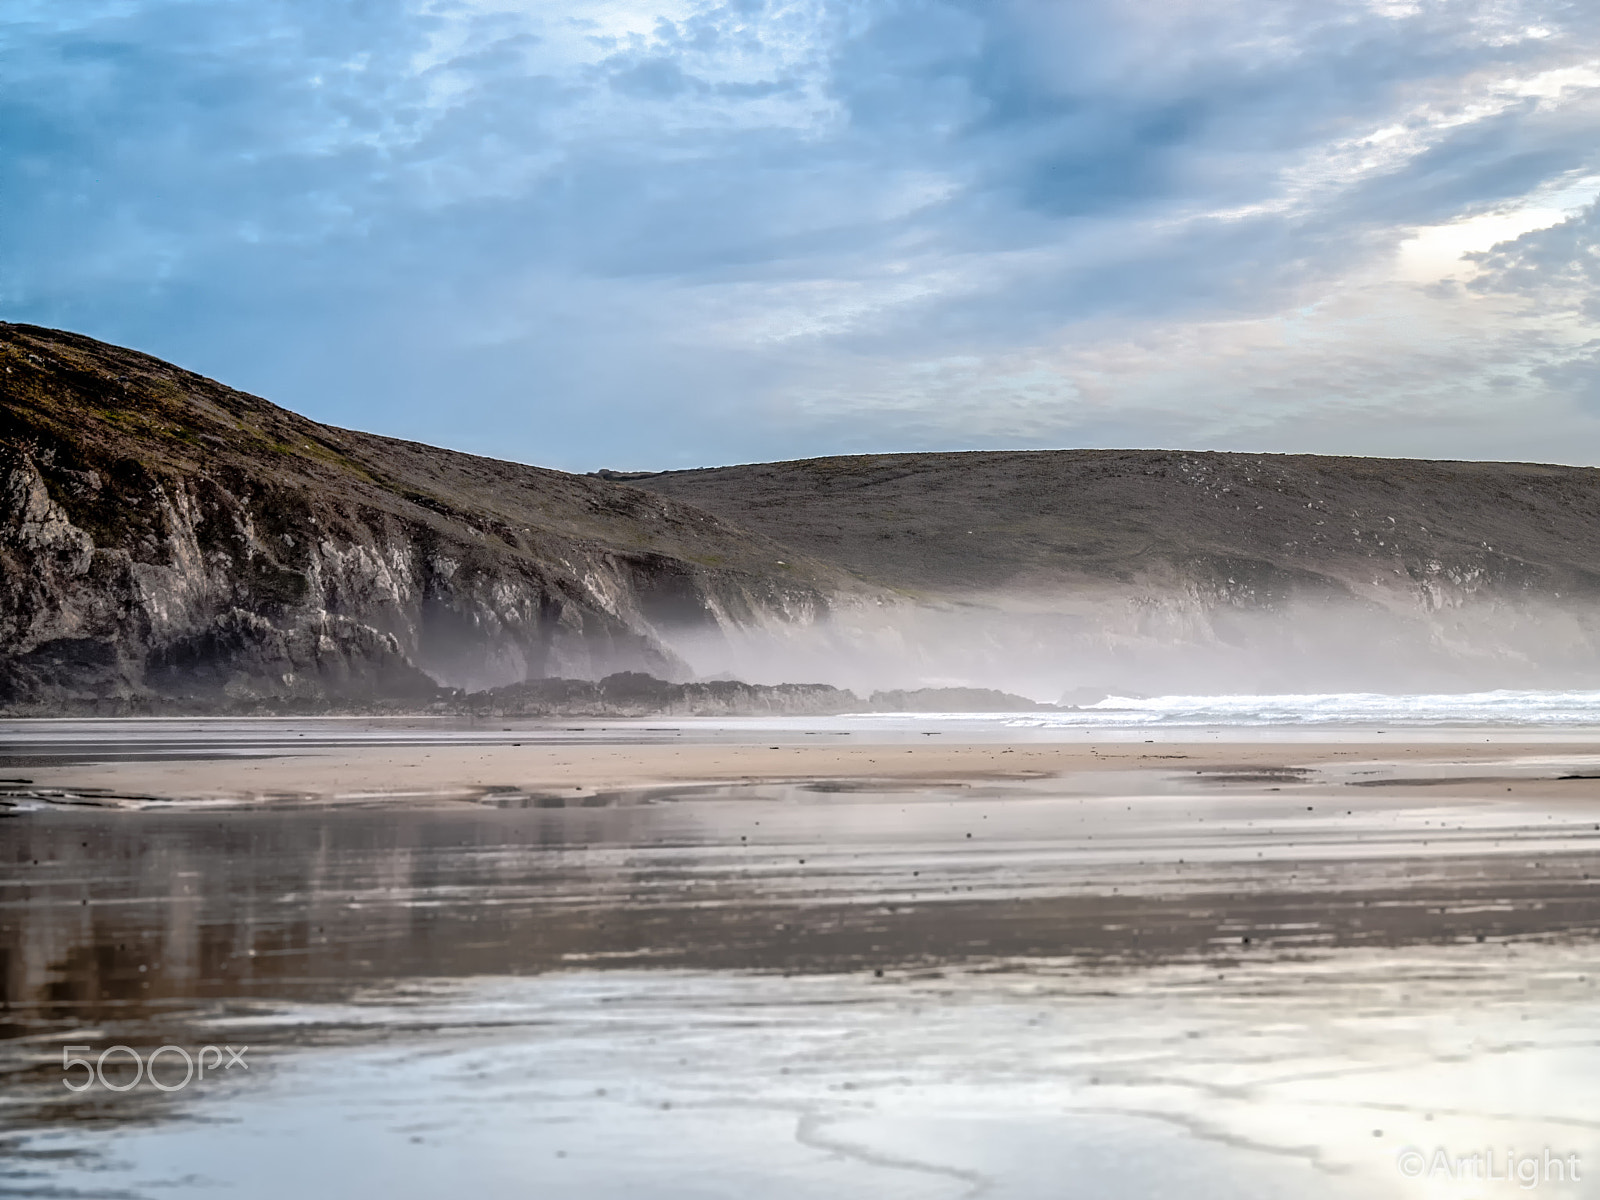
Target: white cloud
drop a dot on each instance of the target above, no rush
(828, 224)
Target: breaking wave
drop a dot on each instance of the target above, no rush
(1467, 708)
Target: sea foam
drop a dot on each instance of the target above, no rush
(1505, 707)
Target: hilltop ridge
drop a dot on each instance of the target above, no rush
(166, 539)
(164, 535)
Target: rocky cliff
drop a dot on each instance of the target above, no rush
(167, 539)
(1168, 570)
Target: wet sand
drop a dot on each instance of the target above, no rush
(329, 761)
(699, 961)
(259, 867)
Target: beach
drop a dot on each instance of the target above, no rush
(920, 957)
(330, 761)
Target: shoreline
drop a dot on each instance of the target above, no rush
(246, 772)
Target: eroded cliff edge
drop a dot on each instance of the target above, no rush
(164, 538)
(1181, 571)
(169, 544)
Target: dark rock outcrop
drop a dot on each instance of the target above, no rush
(954, 699)
(165, 539)
(634, 694)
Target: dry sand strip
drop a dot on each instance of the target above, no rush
(1484, 768)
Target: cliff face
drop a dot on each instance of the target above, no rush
(166, 540)
(164, 537)
(1204, 571)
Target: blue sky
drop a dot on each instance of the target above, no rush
(613, 233)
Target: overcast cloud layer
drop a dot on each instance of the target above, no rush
(611, 233)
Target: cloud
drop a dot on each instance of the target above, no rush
(1553, 274)
(634, 234)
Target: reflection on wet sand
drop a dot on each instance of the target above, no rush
(104, 914)
(977, 912)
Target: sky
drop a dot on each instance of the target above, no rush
(649, 234)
